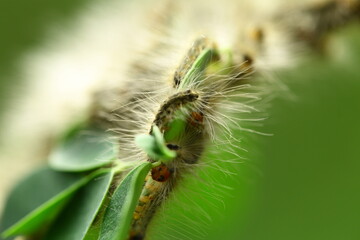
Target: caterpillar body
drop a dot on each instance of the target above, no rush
(199, 64)
(209, 86)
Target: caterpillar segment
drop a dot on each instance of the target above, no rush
(199, 45)
(171, 105)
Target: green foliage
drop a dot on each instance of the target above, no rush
(201, 62)
(119, 214)
(75, 220)
(176, 127)
(38, 198)
(83, 150)
(154, 145)
(64, 204)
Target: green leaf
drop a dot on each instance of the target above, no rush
(83, 150)
(166, 153)
(176, 129)
(37, 199)
(148, 144)
(119, 214)
(202, 61)
(154, 145)
(75, 220)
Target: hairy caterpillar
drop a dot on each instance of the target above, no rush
(210, 95)
(156, 74)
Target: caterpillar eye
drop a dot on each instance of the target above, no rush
(137, 237)
(173, 146)
(195, 96)
(248, 59)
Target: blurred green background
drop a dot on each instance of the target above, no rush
(24, 25)
(301, 183)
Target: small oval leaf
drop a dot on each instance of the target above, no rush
(154, 145)
(119, 214)
(75, 220)
(38, 198)
(83, 150)
(202, 61)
